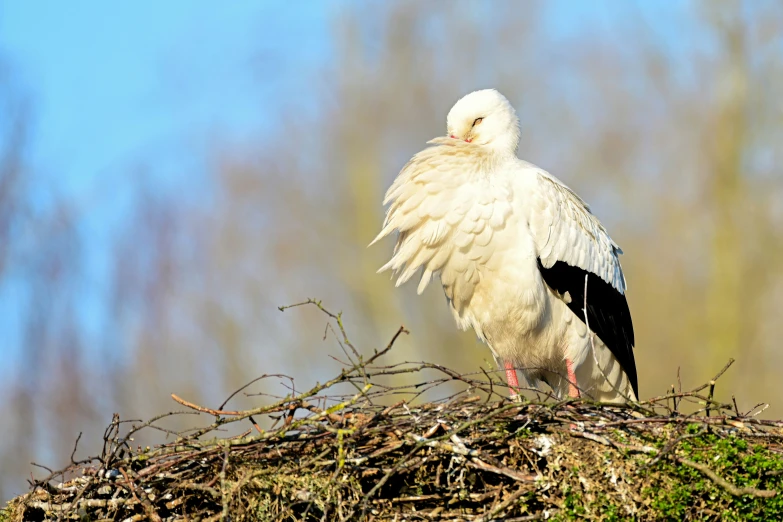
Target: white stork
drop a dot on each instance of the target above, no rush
(516, 251)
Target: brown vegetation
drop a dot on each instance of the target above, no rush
(360, 448)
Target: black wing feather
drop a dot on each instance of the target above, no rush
(607, 310)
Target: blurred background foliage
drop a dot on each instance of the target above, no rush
(666, 117)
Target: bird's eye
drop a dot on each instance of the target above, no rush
(477, 121)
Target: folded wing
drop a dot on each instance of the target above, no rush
(573, 249)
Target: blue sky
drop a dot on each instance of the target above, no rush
(111, 81)
(113, 84)
(116, 83)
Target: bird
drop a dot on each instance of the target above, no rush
(522, 259)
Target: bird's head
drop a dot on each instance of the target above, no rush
(485, 118)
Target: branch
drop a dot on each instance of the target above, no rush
(731, 488)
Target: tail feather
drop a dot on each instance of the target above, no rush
(602, 378)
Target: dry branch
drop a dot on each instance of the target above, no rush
(381, 452)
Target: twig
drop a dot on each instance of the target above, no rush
(203, 409)
(717, 376)
(75, 445)
(508, 472)
(505, 504)
(679, 381)
(732, 489)
(265, 376)
(43, 467)
(668, 449)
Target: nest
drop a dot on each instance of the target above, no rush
(381, 452)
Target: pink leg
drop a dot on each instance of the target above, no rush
(511, 379)
(573, 391)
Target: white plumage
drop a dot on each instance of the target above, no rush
(513, 247)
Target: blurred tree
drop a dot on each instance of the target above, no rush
(39, 276)
(727, 186)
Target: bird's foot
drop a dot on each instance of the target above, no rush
(513, 383)
(573, 390)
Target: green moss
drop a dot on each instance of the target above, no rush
(574, 508)
(670, 503)
(681, 491)
(607, 510)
